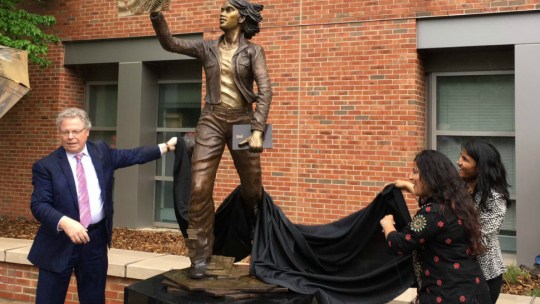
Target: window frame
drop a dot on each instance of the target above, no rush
(87, 103)
(432, 142)
(161, 130)
(506, 236)
(87, 107)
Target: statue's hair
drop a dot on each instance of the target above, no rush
(252, 13)
(74, 113)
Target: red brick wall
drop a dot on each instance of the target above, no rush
(19, 283)
(348, 108)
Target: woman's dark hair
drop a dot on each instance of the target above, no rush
(443, 183)
(491, 172)
(252, 13)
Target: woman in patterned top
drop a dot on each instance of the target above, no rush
(481, 168)
(445, 233)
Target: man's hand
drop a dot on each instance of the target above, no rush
(74, 230)
(171, 144)
(255, 141)
(168, 146)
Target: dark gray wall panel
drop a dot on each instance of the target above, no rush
(527, 152)
(479, 30)
(119, 50)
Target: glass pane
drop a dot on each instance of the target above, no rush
(102, 104)
(475, 103)
(507, 236)
(164, 165)
(179, 105)
(107, 136)
(509, 224)
(164, 206)
(451, 147)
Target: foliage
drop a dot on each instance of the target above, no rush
(513, 274)
(520, 281)
(22, 30)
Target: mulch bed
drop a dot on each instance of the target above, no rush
(165, 241)
(525, 287)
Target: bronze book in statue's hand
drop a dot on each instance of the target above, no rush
(243, 131)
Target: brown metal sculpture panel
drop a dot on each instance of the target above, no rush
(140, 7)
(14, 81)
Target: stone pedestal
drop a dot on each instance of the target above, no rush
(175, 287)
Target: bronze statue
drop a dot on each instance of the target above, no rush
(231, 64)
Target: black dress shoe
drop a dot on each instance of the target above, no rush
(197, 270)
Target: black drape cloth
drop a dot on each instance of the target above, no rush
(341, 262)
(181, 184)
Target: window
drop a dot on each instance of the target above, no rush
(102, 100)
(179, 108)
(477, 105)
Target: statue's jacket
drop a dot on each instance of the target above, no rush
(249, 65)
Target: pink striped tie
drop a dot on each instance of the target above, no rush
(84, 201)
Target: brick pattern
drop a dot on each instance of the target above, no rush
(19, 283)
(348, 109)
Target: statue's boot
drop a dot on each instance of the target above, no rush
(197, 270)
(198, 244)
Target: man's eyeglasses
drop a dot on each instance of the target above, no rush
(74, 132)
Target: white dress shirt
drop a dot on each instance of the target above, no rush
(92, 183)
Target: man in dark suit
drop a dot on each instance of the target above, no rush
(72, 199)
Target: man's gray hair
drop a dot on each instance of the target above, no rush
(74, 113)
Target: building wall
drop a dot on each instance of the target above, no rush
(19, 283)
(349, 107)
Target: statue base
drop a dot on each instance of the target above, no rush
(225, 283)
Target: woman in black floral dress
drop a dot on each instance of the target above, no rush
(445, 233)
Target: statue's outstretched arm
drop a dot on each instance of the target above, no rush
(173, 44)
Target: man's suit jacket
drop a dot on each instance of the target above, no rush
(55, 195)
